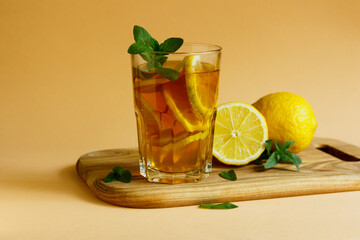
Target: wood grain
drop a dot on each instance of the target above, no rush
(328, 166)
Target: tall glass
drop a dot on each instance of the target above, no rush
(175, 95)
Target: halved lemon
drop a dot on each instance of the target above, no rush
(240, 133)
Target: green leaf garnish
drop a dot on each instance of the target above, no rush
(230, 175)
(272, 161)
(219, 206)
(142, 36)
(288, 144)
(277, 146)
(281, 154)
(296, 163)
(154, 53)
(171, 44)
(154, 60)
(119, 174)
(110, 177)
(170, 74)
(118, 170)
(268, 146)
(138, 47)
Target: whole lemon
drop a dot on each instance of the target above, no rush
(289, 117)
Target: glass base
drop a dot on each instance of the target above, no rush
(154, 175)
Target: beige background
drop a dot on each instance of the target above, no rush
(65, 89)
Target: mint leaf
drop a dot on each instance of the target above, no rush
(219, 206)
(285, 156)
(168, 73)
(171, 44)
(272, 161)
(287, 144)
(110, 177)
(118, 170)
(291, 157)
(277, 145)
(268, 146)
(138, 47)
(142, 36)
(296, 157)
(156, 61)
(230, 175)
(125, 176)
(295, 162)
(153, 53)
(155, 45)
(281, 154)
(161, 59)
(118, 173)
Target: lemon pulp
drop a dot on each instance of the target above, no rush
(240, 133)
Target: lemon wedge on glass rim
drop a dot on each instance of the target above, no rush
(240, 133)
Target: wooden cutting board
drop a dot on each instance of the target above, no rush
(328, 166)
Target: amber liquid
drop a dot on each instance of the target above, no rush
(174, 136)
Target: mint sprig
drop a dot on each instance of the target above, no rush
(229, 175)
(226, 205)
(119, 174)
(154, 53)
(171, 44)
(281, 154)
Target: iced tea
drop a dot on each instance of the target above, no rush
(175, 119)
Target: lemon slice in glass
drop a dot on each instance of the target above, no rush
(176, 97)
(150, 119)
(192, 97)
(166, 137)
(181, 143)
(240, 133)
(201, 85)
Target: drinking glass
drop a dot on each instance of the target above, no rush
(175, 95)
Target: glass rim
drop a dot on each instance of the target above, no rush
(216, 49)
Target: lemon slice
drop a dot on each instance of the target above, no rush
(166, 137)
(240, 133)
(183, 142)
(151, 83)
(192, 97)
(150, 119)
(149, 86)
(201, 84)
(192, 64)
(175, 96)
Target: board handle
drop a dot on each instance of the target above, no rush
(340, 150)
